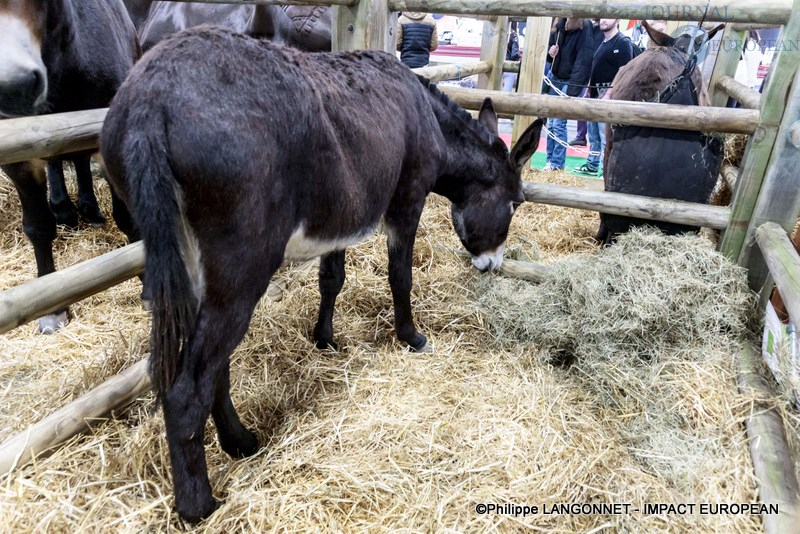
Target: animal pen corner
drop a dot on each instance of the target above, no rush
(765, 205)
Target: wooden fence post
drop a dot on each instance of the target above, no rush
(366, 25)
(494, 40)
(531, 70)
(768, 188)
(728, 54)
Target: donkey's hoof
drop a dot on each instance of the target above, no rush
(241, 447)
(50, 323)
(194, 512)
(66, 215)
(421, 345)
(325, 344)
(91, 215)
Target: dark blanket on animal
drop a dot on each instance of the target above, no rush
(662, 163)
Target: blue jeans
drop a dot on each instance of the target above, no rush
(557, 153)
(597, 143)
(509, 81)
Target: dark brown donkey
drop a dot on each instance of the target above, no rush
(56, 56)
(234, 154)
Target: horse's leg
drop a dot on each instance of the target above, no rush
(62, 207)
(402, 222)
(39, 225)
(201, 386)
(331, 280)
(87, 202)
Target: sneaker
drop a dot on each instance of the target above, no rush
(549, 168)
(577, 142)
(585, 169)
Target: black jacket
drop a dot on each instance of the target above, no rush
(573, 62)
(608, 59)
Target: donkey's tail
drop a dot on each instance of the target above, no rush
(172, 269)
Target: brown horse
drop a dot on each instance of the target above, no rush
(230, 166)
(660, 162)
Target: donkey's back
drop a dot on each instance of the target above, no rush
(289, 138)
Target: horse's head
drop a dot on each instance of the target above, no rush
(685, 42)
(482, 215)
(23, 77)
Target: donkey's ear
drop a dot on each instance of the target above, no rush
(526, 145)
(488, 117)
(658, 37)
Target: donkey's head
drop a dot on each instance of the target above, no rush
(482, 213)
(23, 77)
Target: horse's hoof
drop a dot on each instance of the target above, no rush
(91, 215)
(50, 323)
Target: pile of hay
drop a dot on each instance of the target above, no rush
(649, 327)
(373, 437)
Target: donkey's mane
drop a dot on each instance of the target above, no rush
(457, 110)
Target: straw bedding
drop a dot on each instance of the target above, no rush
(376, 438)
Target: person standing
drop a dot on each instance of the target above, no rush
(416, 38)
(571, 50)
(512, 54)
(615, 51)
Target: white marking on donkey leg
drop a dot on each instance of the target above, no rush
(427, 347)
(490, 260)
(49, 324)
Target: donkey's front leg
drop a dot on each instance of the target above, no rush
(331, 280)
(401, 248)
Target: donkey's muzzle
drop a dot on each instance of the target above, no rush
(489, 261)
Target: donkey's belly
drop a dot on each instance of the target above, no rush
(304, 247)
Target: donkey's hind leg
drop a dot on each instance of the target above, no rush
(201, 386)
(234, 438)
(331, 280)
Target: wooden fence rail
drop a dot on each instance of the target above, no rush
(783, 263)
(739, 92)
(76, 417)
(695, 118)
(43, 295)
(449, 72)
(49, 135)
(774, 12)
(675, 211)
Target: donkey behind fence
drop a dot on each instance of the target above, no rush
(660, 162)
(230, 166)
